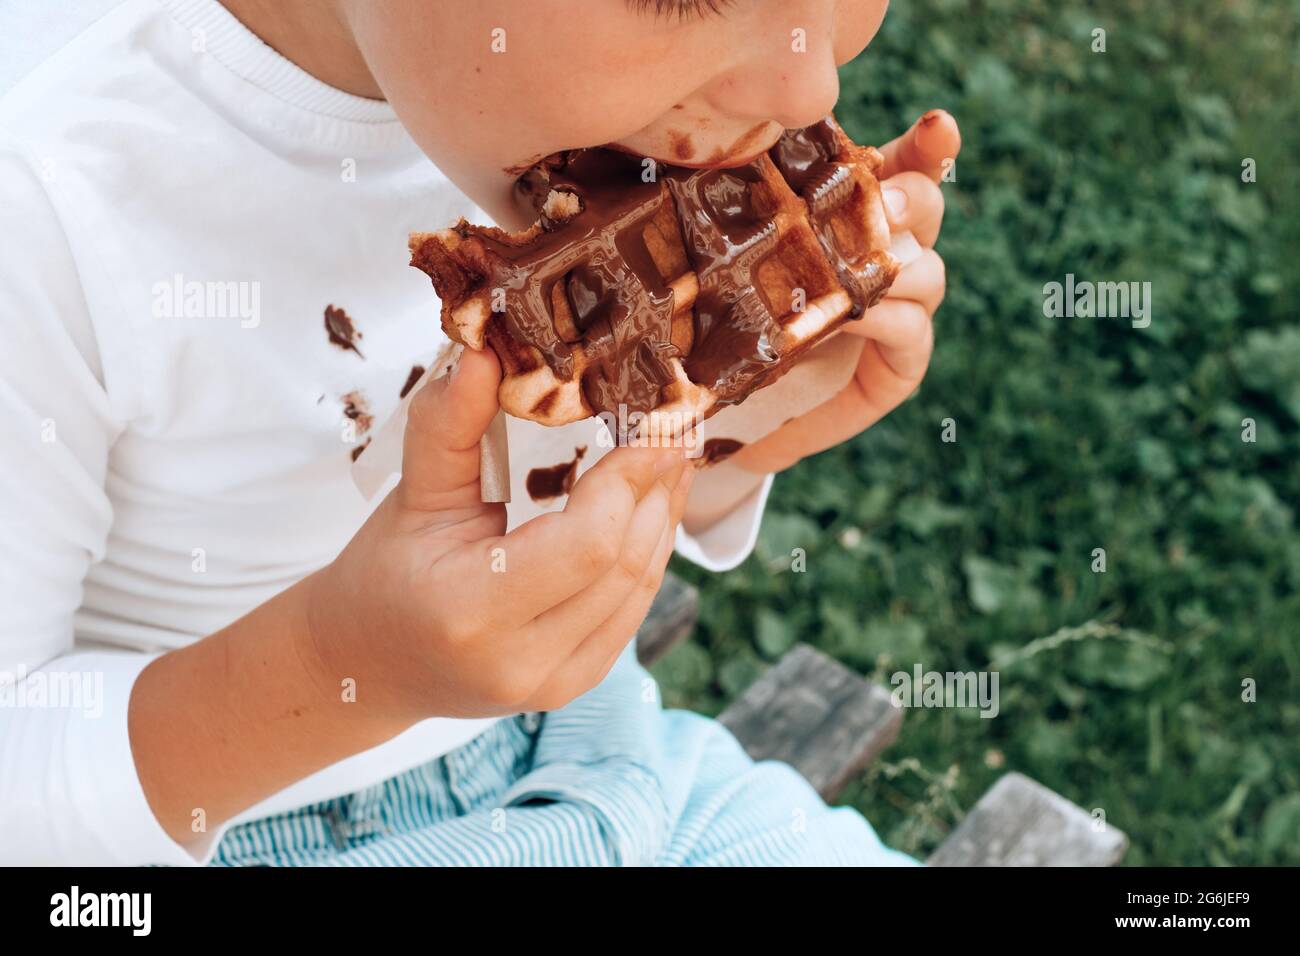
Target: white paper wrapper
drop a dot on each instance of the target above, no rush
(817, 377)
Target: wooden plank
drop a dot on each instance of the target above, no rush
(812, 712)
(671, 617)
(1019, 822)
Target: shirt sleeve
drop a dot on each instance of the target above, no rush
(729, 541)
(69, 791)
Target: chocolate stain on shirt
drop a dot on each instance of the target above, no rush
(341, 330)
(547, 484)
(357, 408)
(416, 372)
(720, 449)
(356, 452)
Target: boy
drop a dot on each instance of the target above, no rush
(204, 217)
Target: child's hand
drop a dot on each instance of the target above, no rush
(899, 331)
(435, 611)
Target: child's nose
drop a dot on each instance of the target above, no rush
(794, 83)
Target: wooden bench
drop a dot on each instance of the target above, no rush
(815, 714)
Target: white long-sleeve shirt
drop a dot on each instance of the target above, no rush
(178, 207)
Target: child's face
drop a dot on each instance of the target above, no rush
(489, 87)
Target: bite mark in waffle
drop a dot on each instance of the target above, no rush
(672, 297)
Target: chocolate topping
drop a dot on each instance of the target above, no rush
(720, 449)
(547, 484)
(357, 408)
(802, 155)
(806, 158)
(339, 327)
(589, 257)
(621, 304)
(726, 239)
(411, 379)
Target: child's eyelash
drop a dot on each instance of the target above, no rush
(682, 9)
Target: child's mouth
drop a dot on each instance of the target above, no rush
(742, 152)
(757, 141)
(682, 151)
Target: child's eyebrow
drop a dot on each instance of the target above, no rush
(682, 9)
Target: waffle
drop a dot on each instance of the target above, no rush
(658, 293)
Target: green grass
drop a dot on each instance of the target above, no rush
(1073, 434)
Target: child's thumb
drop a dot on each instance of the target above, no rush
(929, 147)
(445, 420)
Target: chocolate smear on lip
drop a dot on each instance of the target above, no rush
(520, 168)
(744, 145)
(681, 146)
(546, 484)
(416, 372)
(357, 408)
(341, 330)
(720, 449)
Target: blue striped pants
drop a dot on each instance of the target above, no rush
(610, 780)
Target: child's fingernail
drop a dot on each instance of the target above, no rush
(895, 202)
